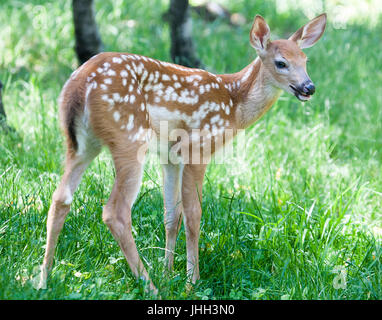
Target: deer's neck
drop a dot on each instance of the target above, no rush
(252, 92)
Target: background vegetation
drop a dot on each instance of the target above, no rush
(304, 204)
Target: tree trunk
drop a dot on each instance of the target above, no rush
(3, 115)
(182, 48)
(88, 39)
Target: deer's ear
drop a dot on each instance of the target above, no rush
(260, 35)
(309, 34)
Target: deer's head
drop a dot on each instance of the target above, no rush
(284, 61)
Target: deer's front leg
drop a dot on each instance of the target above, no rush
(191, 199)
(172, 176)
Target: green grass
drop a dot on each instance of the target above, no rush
(305, 201)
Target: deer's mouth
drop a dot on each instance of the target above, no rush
(299, 94)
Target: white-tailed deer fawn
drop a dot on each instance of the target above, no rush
(121, 100)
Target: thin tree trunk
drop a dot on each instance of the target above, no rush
(88, 39)
(3, 115)
(182, 48)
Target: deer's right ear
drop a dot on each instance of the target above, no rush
(260, 35)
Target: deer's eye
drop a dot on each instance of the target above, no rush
(280, 64)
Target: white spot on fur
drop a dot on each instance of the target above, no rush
(106, 98)
(156, 76)
(116, 116)
(111, 73)
(144, 75)
(117, 60)
(215, 118)
(158, 114)
(130, 123)
(158, 87)
(116, 97)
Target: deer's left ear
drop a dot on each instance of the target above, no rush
(260, 35)
(309, 34)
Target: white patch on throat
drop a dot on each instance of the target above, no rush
(260, 98)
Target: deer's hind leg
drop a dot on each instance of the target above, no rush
(117, 212)
(76, 163)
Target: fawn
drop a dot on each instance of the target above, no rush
(121, 100)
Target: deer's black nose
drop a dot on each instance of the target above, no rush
(309, 88)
